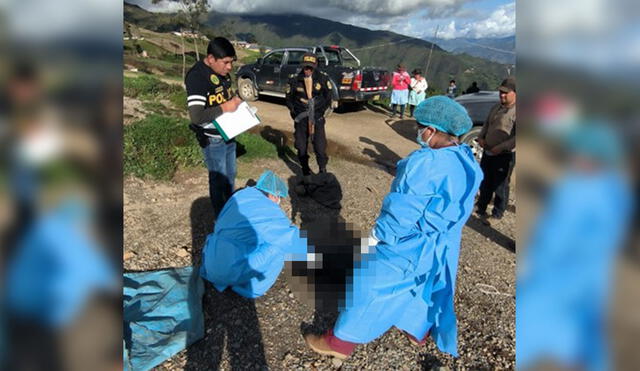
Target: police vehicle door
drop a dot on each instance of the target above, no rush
(269, 75)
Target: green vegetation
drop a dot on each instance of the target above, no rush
(157, 146)
(147, 86)
(252, 57)
(179, 99)
(151, 90)
(256, 147)
(156, 107)
(167, 51)
(152, 147)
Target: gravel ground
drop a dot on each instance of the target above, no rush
(166, 224)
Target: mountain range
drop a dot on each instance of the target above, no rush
(501, 50)
(373, 48)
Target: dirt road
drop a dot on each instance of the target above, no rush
(365, 134)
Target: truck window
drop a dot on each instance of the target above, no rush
(347, 59)
(295, 57)
(274, 58)
(333, 56)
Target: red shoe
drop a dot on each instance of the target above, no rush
(415, 341)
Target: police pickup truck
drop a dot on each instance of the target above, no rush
(351, 82)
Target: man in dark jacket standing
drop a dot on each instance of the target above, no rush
(308, 96)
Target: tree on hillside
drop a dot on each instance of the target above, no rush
(226, 30)
(192, 14)
(248, 37)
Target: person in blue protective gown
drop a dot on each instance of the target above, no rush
(251, 239)
(410, 281)
(566, 270)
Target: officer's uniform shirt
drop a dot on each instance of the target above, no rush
(298, 95)
(206, 91)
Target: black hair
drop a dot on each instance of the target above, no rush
(417, 71)
(220, 48)
(452, 81)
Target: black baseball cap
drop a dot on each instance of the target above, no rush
(508, 84)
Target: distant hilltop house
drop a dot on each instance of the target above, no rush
(257, 48)
(240, 43)
(190, 34)
(133, 37)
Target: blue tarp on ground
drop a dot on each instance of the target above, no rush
(162, 315)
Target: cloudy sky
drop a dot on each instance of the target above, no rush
(417, 18)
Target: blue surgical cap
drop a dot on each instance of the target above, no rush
(444, 114)
(271, 183)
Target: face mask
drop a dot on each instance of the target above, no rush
(419, 138)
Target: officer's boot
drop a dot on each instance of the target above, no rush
(306, 170)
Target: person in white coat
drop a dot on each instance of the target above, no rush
(418, 90)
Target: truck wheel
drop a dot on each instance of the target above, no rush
(246, 90)
(471, 139)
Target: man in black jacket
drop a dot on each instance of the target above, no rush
(308, 96)
(209, 95)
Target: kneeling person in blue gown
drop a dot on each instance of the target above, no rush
(251, 240)
(410, 281)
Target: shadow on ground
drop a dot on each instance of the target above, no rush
(429, 362)
(230, 320)
(494, 235)
(283, 143)
(407, 128)
(350, 107)
(378, 109)
(382, 155)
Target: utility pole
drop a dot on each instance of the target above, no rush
(435, 37)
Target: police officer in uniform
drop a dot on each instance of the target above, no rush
(209, 95)
(308, 97)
